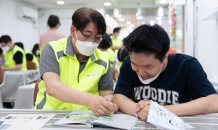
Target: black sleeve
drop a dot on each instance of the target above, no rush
(29, 57)
(18, 57)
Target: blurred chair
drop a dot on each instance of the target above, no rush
(31, 65)
(36, 91)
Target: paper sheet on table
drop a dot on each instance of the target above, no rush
(163, 118)
(24, 121)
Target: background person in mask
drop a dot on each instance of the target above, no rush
(116, 42)
(104, 45)
(75, 74)
(151, 74)
(52, 34)
(29, 55)
(14, 57)
(2, 58)
(36, 51)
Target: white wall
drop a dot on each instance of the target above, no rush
(65, 17)
(18, 29)
(207, 37)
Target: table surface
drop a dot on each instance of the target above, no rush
(200, 122)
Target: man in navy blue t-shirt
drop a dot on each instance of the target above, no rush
(149, 73)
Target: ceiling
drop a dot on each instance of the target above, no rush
(97, 3)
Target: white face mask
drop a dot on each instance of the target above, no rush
(5, 49)
(37, 52)
(147, 81)
(85, 48)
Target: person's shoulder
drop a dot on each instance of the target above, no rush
(180, 60)
(127, 61)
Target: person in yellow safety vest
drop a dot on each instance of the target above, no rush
(75, 75)
(29, 55)
(14, 56)
(36, 51)
(116, 42)
(104, 45)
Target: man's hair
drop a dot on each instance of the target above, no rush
(148, 39)
(1, 51)
(122, 54)
(106, 42)
(53, 20)
(5, 39)
(117, 29)
(20, 44)
(83, 16)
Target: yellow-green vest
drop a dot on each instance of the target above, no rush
(116, 42)
(86, 81)
(10, 62)
(111, 57)
(35, 60)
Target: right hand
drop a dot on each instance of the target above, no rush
(100, 106)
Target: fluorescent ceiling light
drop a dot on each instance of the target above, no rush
(162, 1)
(121, 19)
(107, 4)
(60, 2)
(152, 22)
(160, 14)
(131, 26)
(128, 22)
(137, 14)
(118, 16)
(158, 18)
(139, 17)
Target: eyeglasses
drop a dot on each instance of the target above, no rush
(89, 38)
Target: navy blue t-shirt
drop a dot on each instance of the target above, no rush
(182, 80)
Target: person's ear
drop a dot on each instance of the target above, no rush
(165, 58)
(72, 31)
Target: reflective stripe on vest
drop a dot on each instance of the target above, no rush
(10, 62)
(86, 81)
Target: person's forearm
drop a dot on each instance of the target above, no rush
(65, 93)
(17, 67)
(125, 104)
(115, 75)
(116, 47)
(202, 105)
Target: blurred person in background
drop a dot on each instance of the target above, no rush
(2, 58)
(36, 51)
(52, 34)
(29, 55)
(15, 58)
(104, 46)
(116, 42)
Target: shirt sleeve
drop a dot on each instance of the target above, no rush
(18, 57)
(197, 82)
(29, 57)
(106, 81)
(48, 62)
(124, 84)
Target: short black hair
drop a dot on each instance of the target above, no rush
(117, 29)
(20, 44)
(83, 16)
(106, 42)
(1, 51)
(122, 54)
(5, 39)
(53, 20)
(148, 39)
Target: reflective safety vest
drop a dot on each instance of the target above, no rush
(116, 42)
(87, 81)
(111, 57)
(10, 62)
(35, 60)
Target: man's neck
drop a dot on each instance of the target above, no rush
(52, 29)
(11, 47)
(114, 36)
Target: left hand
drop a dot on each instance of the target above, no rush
(143, 113)
(141, 104)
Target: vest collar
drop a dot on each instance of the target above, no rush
(70, 51)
